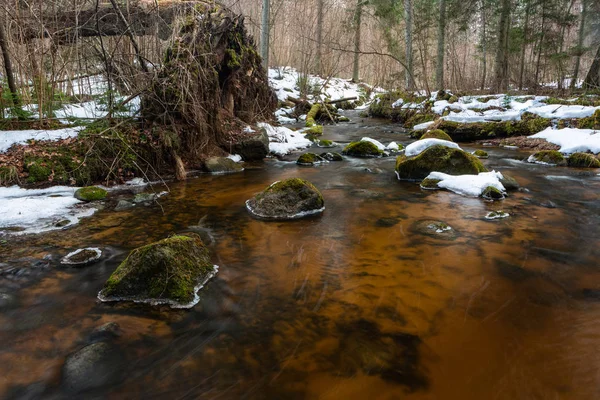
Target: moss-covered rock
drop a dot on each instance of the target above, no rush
(583, 160)
(289, 199)
(309, 159)
(480, 154)
(221, 165)
(316, 130)
(452, 99)
(90, 193)
(592, 122)
(529, 124)
(332, 156)
(430, 184)
(491, 193)
(325, 143)
(362, 149)
(436, 134)
(165, 272)
(438, 158)
(552, 157)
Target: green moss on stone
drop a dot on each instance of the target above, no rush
(362, 149)
(332, 156)
(440, 159)
(309, 159)
(480, 154)
(167, 270)
(583, 160)
(436, 134)
(491, 193)
(550, 157)
(430, 184)
(91, 193)
(315, 130)
(325, 143)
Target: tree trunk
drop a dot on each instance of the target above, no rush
(592, 80)
(501, 82)
(524, 46)
(318, 58)
(483, 45)
(10, 77)
(441, 48)
(580, 39)
(264, 34)
(409, 56)
(540, 45)
(357, 23)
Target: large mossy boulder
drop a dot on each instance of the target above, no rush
(583, 160)
(363, 149)
(438, 159)
(221, 165)
(436, 134)
(289, 199)
(90, 193)
(551, 157)
(252, 147)
(165, 272)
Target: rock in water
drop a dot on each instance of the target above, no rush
(94, 366)
(290, 199)
(82, 257)
(439, 159)
(362, 149)
(550, 157)
(436, 134)
(253, 147)
(90, 193)
(170, 271)
(583, 160)
(221, 165)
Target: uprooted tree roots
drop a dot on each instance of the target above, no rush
(210, 86)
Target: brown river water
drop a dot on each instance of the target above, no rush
(352, 304)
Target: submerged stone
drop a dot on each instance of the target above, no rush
(221, 165)
(289, 199)
(94, 366)
(169, 271)
(362, 149)
(90, 193)
(439, 159)
(583, 160)
(436, 229)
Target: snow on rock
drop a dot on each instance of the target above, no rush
(39, 210)
(572, 140)
(469, 185)
(284, 140)
(8, 138)
(559, 111)
(393, 146)
(423, 126)
(377, 143)
(235, 157)
(420, 146)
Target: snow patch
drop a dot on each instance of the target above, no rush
(284, 140)
(377, 143)
(572, 140)
(420, 146)
(9, 138)
(469, 185)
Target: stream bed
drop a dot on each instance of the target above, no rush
(355, 303)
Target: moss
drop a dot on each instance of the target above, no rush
(491, 193)
(530, 124)
(233, 59)
(169, 269)
(452, 99)
(332, 156)
(316, 130)
(90, 193)
(343, 119)
(436, 134)
(412, 117)
(430, 184)
(291, 198)
(480, 154)
(309, 159)
(549, 157)
(325, 143)
(443, 95)
(438, 158)
(583, 160)
(311, 117)
(591, 122)
(382, 106)
(362, 149)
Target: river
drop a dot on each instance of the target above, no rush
(352, 304)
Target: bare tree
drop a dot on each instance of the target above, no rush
(439, 70)
(265, 31)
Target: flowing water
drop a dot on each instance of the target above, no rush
(356, 303)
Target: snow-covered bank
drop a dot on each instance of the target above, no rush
(39, 210)
(8, 138)
(283, 140)
(572, 140)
